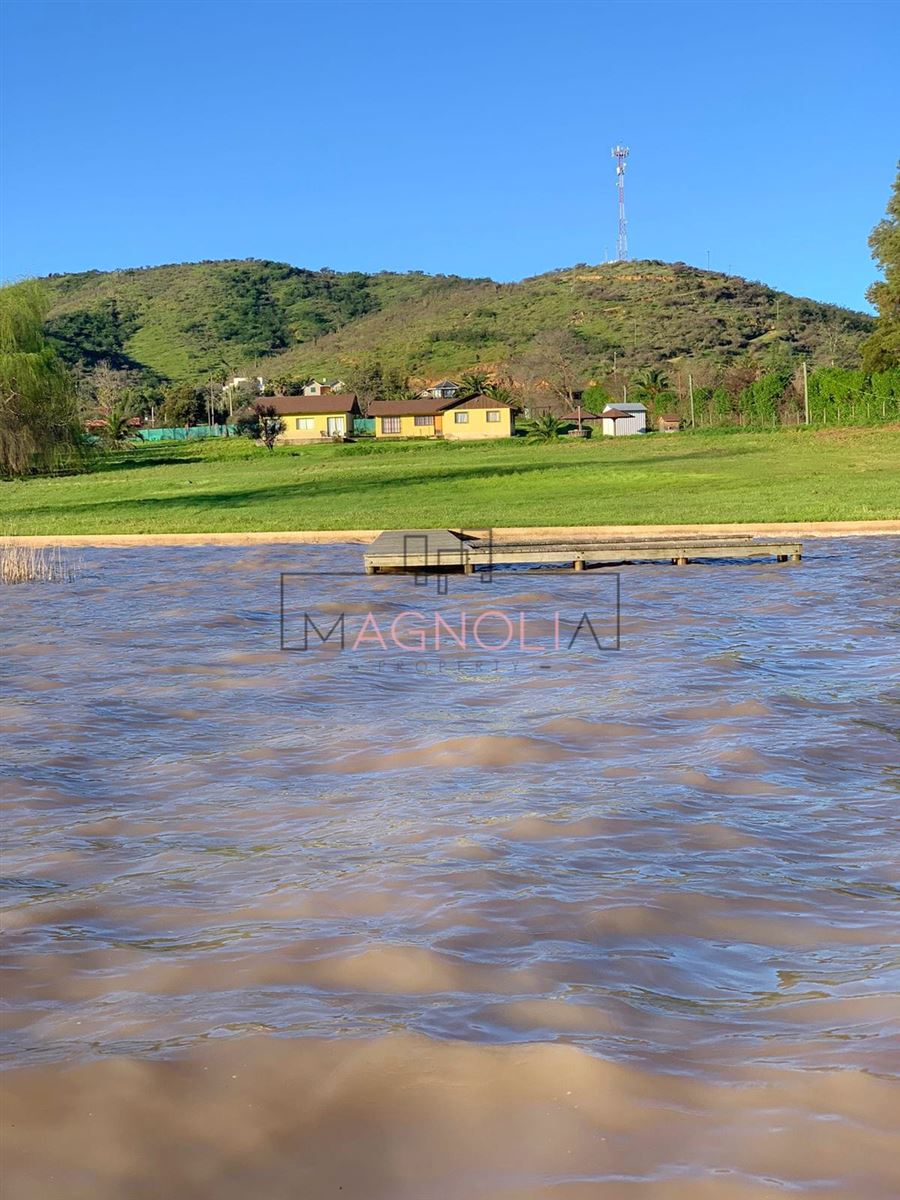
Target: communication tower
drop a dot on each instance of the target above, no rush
(620, 154)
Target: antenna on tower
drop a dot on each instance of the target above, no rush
(620, 154)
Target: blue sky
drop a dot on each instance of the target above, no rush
(468, 138)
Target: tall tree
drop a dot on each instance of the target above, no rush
(396, 385)
(183, 404)
(556, 361)
(882, 350)
(39, 426)
(364, 378)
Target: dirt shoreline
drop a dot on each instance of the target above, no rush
(501, 534)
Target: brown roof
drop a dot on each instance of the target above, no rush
(311, 406)
(479, 402)
(100, 423)
(426, 406)
(615, 413)
(673, 417)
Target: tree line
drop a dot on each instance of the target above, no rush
(58, 381)
(749, 398)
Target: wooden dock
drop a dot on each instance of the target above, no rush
(416, 550)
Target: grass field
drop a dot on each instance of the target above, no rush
(223, 486)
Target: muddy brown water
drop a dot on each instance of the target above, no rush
(451, 923)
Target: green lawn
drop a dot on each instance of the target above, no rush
(221, 486)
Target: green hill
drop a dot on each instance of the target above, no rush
(186, 320)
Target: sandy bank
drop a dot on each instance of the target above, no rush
(505, 534)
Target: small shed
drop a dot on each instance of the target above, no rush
(669, 423)
(621, 419)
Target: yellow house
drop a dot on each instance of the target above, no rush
(314, 418)
(476, 418)
(430, 417)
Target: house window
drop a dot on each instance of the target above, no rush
(493, 414)
(461, 418)
(390, 424)
(423, 420)
(305, 423)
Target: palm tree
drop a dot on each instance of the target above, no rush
(472, 384)
(544, 428)
(117, 428)
(290, 385)
(498, 392)
(406, 392)
(651, 386)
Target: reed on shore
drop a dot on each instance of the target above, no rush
(33, 564)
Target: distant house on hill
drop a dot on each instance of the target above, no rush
(445, 390)
(257, 383)
(433, 417)
(323, 387)
(312, 418)
(618, 420)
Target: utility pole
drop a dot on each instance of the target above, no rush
(691, 395)
(805, 394)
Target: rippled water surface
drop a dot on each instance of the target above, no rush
(451, 924)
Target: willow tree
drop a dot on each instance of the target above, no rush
(882, 350)
(39, 426)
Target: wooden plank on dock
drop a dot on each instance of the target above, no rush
(424, 549)
(641, 540)
(430, 541)
(416, 549)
